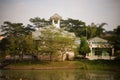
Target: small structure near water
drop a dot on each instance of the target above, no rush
(100, 49)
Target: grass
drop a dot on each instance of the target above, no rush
(42, 65)
(81, 64)
(99, 64)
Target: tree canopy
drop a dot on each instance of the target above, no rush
(18, 39)
(81, 29)
(55, 41)
(116, 40)
(84, 47)
(39, 22)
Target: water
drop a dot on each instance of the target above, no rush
(74, 74)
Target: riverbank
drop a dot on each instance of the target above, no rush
(81, 64)
(42, 65)
(112, 65)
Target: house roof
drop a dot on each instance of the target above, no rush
(97, 39)
(56, 17)
(99, 42)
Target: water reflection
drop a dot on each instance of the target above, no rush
(73, 74)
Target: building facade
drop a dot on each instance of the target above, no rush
(100, 49)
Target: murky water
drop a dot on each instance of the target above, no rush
(74, 74)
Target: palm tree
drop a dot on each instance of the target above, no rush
(100, 29)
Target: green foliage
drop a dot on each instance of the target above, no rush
(99, 64)
(116, 40)
(18, 39)
(76, 26)
(100, 29)
(84, 47)
(91, 31)
(81, 29)
(15, 29)
(3, 46)
(94, 30)
(38, 22)
(28, 46)
(54, 41)
(47, 42)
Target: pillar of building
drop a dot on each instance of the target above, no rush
(56, 20)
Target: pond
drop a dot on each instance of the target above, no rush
(73, 74)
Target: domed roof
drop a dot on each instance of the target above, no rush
(55, 17)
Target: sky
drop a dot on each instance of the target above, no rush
(88, 11)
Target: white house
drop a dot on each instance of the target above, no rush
(100, 49)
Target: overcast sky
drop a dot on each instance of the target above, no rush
(89, 11)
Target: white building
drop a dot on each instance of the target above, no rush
(100, 49)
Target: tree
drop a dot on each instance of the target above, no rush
(73, 25)
(54, 41)
(94, 30)
(47, 45)
(91, 30)
(39, 23)
(84, 47)
(65, 43)
(116, 40)
(16, 35)
(100, 29)
(3, 47)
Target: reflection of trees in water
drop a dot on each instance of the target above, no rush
(81, 75)
(96, 75)
(104, 75)
(37, 75)
(58, 75)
